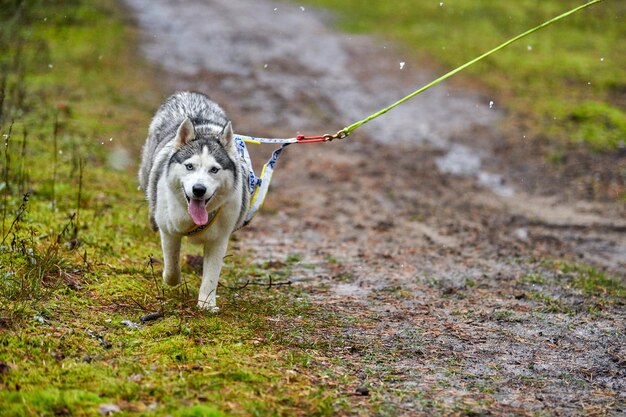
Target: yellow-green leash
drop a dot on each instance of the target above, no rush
(349, 129)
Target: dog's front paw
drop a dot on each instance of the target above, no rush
(208, 306)
(171, 278)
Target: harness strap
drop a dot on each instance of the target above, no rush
(212, 216)
(256, 141)
(258, 198)
(259, 186)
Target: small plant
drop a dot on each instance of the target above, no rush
(593, 282)
(550, 303)
(32, 266)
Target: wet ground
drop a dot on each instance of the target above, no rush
(434, 243)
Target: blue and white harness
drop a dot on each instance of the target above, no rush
(259, 185)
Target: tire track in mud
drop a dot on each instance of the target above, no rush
(400, 227)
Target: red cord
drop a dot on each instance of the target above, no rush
(310, 139)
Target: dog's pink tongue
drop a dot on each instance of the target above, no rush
(198, 212)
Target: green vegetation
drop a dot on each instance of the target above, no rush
(75, 251)
(577, 287)
(593, 282)
(568, 80)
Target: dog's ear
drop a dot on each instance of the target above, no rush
(185, 134)
(227, 136)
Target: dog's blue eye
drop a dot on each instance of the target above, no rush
(214, 170)
(189, 167)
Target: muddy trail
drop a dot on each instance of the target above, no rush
(453, 281)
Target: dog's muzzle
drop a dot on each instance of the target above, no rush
(198, 190)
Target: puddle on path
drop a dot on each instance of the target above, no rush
(464, 161)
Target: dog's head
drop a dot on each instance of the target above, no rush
(203, 167)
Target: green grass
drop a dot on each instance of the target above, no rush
(572, 288)
(593, 282)
(566, 82)
(75, 251)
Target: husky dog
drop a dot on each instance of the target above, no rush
(195, 183)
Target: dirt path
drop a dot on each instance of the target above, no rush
(443, 272)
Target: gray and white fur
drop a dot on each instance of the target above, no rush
(192, 175)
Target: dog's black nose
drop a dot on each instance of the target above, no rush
(198, 190)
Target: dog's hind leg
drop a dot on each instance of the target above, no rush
(171, 255)
(213, 259)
